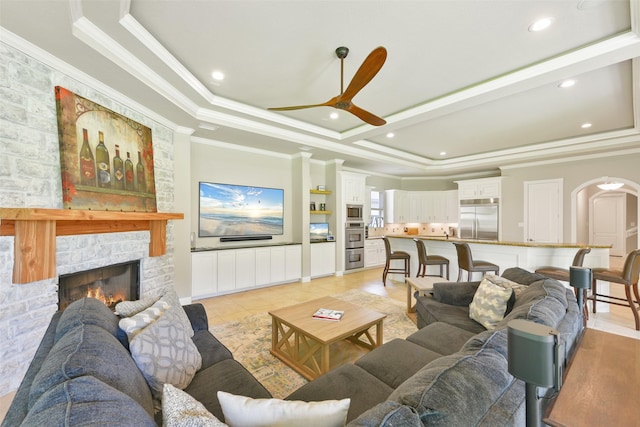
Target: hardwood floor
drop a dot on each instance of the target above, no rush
(226, 308)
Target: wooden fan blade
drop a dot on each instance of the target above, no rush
(365, 116)
(300, 107)
(367, 71)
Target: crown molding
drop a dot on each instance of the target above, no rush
(630, 151)
(53, 62)
(235, 147)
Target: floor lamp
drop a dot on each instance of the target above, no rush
(534, 357)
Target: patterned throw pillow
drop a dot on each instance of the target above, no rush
(179, 409)
(136, 323)
(165, 353)
(489, 304)
(171, 297)
(130, 308)
(505, 283)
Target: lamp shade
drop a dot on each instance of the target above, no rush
(580, 277)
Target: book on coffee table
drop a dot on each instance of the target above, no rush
(326, 314)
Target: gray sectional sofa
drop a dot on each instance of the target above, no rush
(450, 372)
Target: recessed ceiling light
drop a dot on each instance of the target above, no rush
(443, 153)
(217, 75)
(334, 115)
(586, 125)
(540, 24)
(567, 83)
(391, 135)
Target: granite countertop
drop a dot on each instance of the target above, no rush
(498, 242)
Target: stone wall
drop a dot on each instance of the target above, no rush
(30, 177)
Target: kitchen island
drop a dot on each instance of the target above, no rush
(527, 255)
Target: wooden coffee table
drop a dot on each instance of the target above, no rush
(303, 343)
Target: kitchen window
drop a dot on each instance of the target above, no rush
(377, 209)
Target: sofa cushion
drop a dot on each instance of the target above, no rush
(458, 389)
(87, 311)
(453, 293)
(352, 381)
(89, 350)
(164, 353)
(522, 276)
(227, 375)
(489, 304)
(86, 401)
(544, 302)
(431, 311)
(211, 350)
(441, 337)
(388, 414)
(396, 361)
(241, 411)
(179, 409)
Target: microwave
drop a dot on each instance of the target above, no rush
(354, 212)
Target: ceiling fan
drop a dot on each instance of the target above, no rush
(367, 71)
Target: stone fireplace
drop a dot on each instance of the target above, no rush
(110, 284)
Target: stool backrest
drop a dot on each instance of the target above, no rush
(631, 268)
(422, 251)
(579, 258)
(387, 246)
(465, 261)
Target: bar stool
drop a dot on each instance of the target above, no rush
(395, 255)
(563, 273)
(466, 262)
(627, 277)
(424, 260)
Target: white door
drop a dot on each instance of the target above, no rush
(543, 211)
(606, 222)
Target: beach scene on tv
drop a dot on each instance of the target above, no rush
(238, 210)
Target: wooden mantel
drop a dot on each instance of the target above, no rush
(35, 232)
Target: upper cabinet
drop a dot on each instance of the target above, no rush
(479, 188)
(396, 206)
(420, 206)
(354, 188)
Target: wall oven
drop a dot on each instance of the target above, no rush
(354, 212)
(354, 245)
(354, 259)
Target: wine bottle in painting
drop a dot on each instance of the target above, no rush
(118, 170)
(87, 164)
(142, 183)
(102, 163)
(128, 174)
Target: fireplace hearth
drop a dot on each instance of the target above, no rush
(110, 284)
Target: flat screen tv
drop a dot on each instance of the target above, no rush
(240, 210)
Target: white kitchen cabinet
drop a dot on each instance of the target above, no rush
(451, 210)
(293, 262)
(204, 274)
(479, 188)
(374, 253)
(354, 188)
(396, 206)
(323, 259)
(226, 270)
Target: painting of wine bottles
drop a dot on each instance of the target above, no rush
(106, 158)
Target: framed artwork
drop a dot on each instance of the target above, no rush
(106, 159)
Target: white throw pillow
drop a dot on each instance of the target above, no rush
(180, 409)
(130, 308)
(489, 304)
(240, 411)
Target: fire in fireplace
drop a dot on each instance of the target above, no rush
(111, 284)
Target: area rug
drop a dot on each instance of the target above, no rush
(249, 340)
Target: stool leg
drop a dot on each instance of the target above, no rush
(593, 294)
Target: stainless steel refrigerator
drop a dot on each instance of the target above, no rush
(479, 219)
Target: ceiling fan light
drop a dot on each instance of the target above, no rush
(610, 185)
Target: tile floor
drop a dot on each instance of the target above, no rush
(226, 308)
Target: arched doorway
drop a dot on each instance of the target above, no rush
(581, 197)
